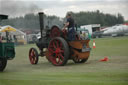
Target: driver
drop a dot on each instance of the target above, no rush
(70, 25)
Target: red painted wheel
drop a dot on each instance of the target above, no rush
(58, 51)
(33, 56)
(55, 32)
(76, 60)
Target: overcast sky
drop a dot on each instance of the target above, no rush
(16, 8)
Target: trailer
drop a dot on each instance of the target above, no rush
(7, 49)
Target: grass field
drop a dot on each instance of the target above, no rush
(113, 72)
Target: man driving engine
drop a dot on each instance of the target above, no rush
(70, 25)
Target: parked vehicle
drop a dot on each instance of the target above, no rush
(7, 49)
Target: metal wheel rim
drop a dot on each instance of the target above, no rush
(55, 32)
(56, 52)
(32, 56)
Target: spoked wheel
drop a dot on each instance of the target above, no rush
(77, 60)
(3, 63)
(58, 51)
(33, 56)
(55, 32)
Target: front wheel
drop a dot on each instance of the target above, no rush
(33, 56)
(58, 51)
(3, 63)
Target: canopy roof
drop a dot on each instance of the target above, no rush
(12, 30)
(7, 29)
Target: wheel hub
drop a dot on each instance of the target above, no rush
(57, 50)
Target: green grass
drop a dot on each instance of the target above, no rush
(113, 72)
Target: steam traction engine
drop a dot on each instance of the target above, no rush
(58, 48)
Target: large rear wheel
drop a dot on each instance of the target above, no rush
(55, 32)
(33, 56)
(3, 63)
(58, 51)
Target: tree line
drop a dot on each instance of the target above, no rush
(31, 21)
(97, 17)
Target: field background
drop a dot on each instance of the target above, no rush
(19, 71)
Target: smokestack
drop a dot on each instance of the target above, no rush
(41, 19)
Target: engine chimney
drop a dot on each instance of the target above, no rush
(41, 19)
